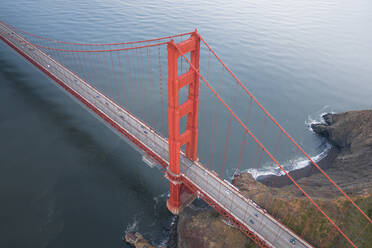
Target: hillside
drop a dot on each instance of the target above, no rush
(349, 163)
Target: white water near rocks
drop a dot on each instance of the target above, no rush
(289, 165)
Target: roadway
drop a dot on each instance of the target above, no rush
(243, 210)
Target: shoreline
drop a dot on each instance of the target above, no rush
(278, 181)
(349, 135)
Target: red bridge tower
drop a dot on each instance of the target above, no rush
(176, 111)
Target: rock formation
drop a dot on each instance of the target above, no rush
(349, 164)
(205, 228)
(136, 239)
(351, 135)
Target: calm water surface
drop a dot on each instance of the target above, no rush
(68, 181)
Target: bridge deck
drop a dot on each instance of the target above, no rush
(246, 212)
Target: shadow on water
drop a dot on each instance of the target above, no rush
(76, 163)
(77, 136)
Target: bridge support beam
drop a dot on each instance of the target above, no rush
(176, 111)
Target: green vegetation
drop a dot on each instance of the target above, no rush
(303, 218)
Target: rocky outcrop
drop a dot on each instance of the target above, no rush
(294, 210)
(349, 164)
(351, 134)
(136, 239)
(205, 228)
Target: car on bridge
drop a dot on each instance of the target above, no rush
(292, 241)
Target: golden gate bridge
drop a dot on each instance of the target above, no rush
(171, 97)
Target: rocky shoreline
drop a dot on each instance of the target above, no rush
(350, 133)
(201, 226)
(348, 163)
(283, 180)
(136, 240)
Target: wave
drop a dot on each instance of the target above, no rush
(287, 165)
(164, 242)
(159, 197)
(317, 120)
(317, 117)
(132, 227)
(159, 201)
(301, 162)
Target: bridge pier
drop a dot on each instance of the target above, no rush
(175, 184)
(176, 111)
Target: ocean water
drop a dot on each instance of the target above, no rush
(66, 180)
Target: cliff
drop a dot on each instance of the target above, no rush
(349, 163)
(295, 211)
(136, 240)
(205, 228)
(350, 134)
